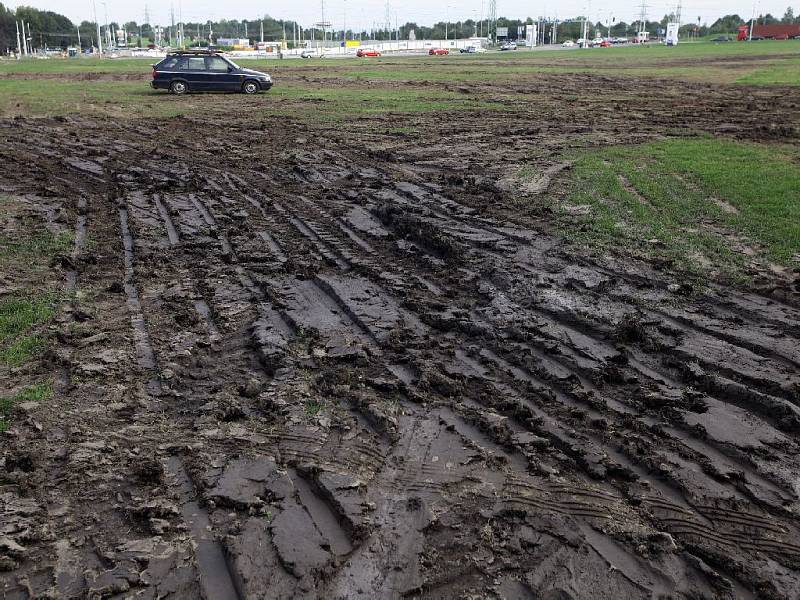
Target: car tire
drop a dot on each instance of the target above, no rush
(250, 87)
(178, 88)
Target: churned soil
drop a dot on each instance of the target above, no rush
(328, 359)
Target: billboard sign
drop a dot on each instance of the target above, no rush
(502, 32)
(531, 35)
(672, 34)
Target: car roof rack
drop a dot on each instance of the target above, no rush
(174, 52)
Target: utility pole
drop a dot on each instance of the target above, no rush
(78, 29)
(643, 20)
(262, 30)
(108, 33)
(96, 22)
(491, 25)
(19, 48)
(172, 20)
(322, 22)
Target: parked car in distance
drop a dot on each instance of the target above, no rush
(508, 46)
(468, 50)
(604, 44)
(367, 52)
(310, 53)
(203, 71)
(567, 44)
(438, 51)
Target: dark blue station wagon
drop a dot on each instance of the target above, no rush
(187, 71)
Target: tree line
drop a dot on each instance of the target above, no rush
(52, 30)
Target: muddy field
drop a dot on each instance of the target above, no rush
(316, 359)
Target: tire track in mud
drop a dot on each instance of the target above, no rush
(643, 370)
(709, 531)
(145, 356)
(215, 578)
(706, 449)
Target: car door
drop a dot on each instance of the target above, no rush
(219, 74)
(194, 70)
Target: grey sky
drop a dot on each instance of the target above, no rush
(362, 13)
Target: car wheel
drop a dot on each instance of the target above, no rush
(250, 87)
(178, 88)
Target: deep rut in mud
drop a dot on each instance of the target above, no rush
(339, 374)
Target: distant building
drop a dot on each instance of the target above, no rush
(235, 42)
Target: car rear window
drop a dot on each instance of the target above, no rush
(168, 64)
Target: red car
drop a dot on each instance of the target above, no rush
(605, 44)
(367, 52)
(438, 51)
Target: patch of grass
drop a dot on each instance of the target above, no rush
(40, 244)
(19, 317)
(21, 350)
(702, 204)
(20, 314)
(32, 393)
(65, 96)
(312, 407)
(777, 73)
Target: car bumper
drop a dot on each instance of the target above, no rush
(265, 85)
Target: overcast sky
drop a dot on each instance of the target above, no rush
(362, 13)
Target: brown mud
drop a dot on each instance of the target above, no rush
(320, 360)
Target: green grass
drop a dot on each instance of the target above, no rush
(18, 315)
(19, 318)
(40, 244)
(21, 350)
(312, 407)
(704, 205)
(61, 97)
(779, 73)
(32, 393)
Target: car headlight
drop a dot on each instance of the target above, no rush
(265, 78)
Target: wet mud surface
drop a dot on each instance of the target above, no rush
(317, 360)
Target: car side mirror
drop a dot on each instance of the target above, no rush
(230, 69)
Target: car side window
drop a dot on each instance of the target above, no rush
(181, 64)
(168, 64)
(196, 63)
(216, 64)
